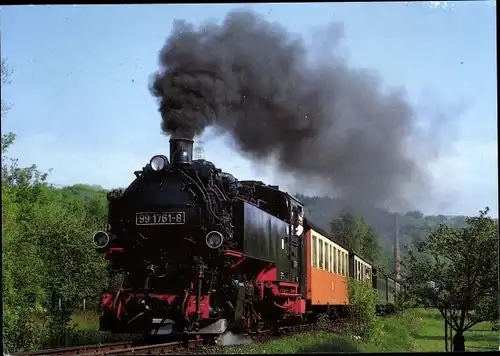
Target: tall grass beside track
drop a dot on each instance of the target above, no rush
(84, 330)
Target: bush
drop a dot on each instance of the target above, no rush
(362, 308)
(20, 332)
(396, 332)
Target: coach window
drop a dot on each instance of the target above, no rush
(330, 261)
(314, 251)
(336, 261)
(345, 264)
(339, 262)
(321, 254)
(331, 258)
(327, 258)
(368, 274)
(336, 254)
(342, 263)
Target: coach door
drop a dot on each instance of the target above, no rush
(295, 243)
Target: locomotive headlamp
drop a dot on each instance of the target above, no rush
(100, 239)
(214, 239)
(158, 162)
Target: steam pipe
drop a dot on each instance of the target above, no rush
(198, 292)
(184, 301)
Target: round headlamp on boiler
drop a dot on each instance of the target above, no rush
(214, 239)
(100, 239)
(158, 162)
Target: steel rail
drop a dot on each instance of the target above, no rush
(86, 350)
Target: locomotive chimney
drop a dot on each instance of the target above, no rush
(181, 151)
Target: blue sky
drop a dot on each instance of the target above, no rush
(82, 105)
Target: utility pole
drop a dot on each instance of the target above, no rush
(397, 252)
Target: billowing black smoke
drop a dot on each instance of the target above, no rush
(313, 113)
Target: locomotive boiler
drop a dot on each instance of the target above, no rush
(194, 251)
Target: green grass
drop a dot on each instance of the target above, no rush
(304, 342)
(431, 334)
(86, 320)
(414, 330)
(86, 330)
(392, 334)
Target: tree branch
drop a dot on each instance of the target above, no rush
(471, 324)
(450, 320)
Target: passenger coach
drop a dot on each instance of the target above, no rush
(329, 264)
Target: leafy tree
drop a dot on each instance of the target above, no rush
(6, 72)
(46, 256)
(7, 138)
(386, 262)
(354, 233)
(64, 246)
(418, 215)
(455, 271)
(46, 253)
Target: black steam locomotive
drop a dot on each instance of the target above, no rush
(192, 250)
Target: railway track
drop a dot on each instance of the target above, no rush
(186, 347)
(118, 348)
(80, 350)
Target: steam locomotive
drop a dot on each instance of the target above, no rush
(194, 251)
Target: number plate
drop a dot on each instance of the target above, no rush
(168, 218)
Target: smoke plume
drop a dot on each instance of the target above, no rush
(309, 110)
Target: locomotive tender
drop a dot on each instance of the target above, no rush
(194, 251)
